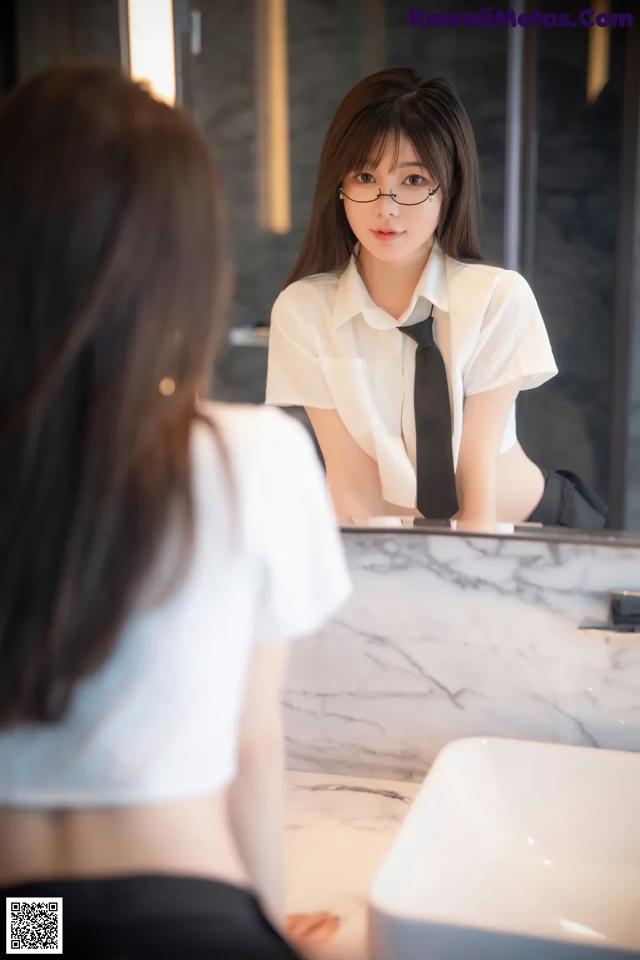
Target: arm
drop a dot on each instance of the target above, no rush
(484, 420)
(352, 475)
(256, 797)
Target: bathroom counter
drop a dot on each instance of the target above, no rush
(338, 831)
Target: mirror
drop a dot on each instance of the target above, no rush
(550, 109)
(556, 121)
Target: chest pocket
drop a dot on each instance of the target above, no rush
(348, 382)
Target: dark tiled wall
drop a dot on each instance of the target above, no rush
(331, 46)
(60, 31)
(566, 423)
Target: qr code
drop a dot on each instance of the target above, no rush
(34, 925)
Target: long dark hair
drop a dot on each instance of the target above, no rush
(383, 106)
(111, 289)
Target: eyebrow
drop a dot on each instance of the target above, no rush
(408, 163)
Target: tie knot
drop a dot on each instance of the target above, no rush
(421, 332)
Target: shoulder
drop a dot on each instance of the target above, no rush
(276, 479)
(311, 297)
(240, 424)
(256, 436)
(481, 292)
(499, 281)
(512, 303)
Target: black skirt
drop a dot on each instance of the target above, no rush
(568, 502)
(158, 917)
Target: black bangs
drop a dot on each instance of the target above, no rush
(429, 149)
(367, 136)
(370, 133)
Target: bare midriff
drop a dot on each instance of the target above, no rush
(519, 488)
(183, 837)
(519, 485)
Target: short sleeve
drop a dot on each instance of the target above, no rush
(305, 576)
(294, 374)
(513, 343)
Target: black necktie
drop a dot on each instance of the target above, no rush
(436, 480)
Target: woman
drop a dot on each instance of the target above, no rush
(405, 428)
(156, 551)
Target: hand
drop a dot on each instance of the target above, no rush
(469, 524)
(311, 928)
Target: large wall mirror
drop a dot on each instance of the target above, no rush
(556, 117)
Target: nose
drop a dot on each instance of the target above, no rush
(386, 205)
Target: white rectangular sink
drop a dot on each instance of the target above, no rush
(514, 850)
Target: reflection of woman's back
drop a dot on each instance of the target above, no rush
(156, 549)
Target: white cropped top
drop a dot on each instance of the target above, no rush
(159, 720)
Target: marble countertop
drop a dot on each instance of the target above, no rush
(338, 831)
(509, 531)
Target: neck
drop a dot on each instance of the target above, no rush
(391, 285)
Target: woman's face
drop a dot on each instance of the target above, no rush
(409, 229)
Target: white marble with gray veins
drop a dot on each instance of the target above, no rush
(450, 636)
(338, 832)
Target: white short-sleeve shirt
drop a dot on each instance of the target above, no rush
(159, 720)
(332, 347)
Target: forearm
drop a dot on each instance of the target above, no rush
(485, 416)
(350, 508)
(256, 812)
(351, 505)
(477, 495)
(477, 508)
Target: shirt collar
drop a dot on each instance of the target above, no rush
(353, 298)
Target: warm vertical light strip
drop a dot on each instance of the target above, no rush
(151, 46)
(274, 175)
(598, 55)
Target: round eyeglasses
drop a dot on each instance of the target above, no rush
(407, 194)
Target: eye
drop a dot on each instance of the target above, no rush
(363, 177)
(416, 180)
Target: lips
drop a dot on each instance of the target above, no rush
(388, 233)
